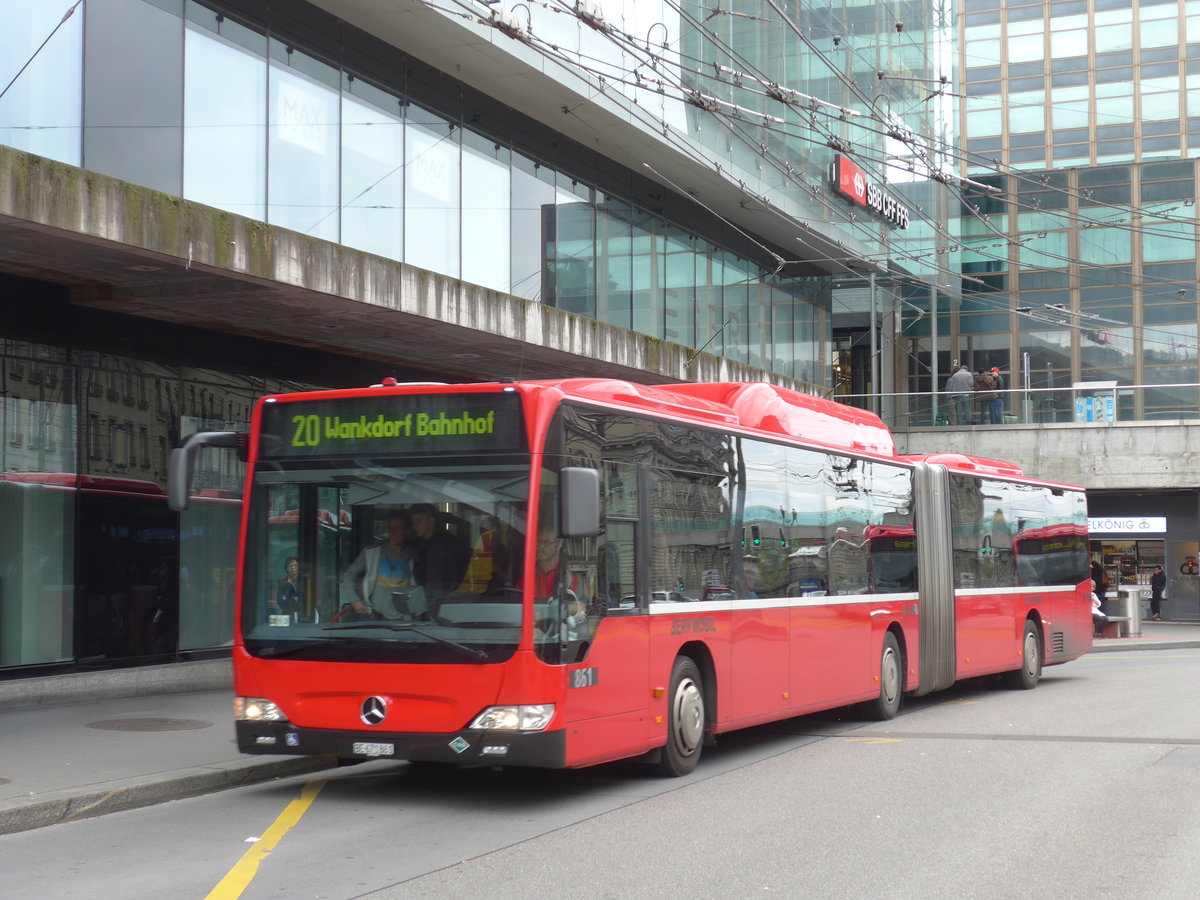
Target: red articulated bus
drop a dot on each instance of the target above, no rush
(564, 573)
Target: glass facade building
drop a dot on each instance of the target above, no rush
(285, 114)
(1081, 125)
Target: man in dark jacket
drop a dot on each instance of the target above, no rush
(985, 394)
(440, 557)
(1158, 587)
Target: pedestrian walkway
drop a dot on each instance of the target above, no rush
(1154, 636)
(65, 755)
(79, 746)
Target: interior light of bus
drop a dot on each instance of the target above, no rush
(256, 709)
(515, 718)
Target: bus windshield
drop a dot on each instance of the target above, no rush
(404, 559)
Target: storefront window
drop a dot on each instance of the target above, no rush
(38, 434)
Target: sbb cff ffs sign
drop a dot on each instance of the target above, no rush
(850, 181)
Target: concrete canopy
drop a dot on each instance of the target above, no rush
(128, 250)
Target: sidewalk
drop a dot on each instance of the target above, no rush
(65, 754)
(1154, 636)
(75, 746)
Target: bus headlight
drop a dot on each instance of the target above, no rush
(256, 709)
(515, 718)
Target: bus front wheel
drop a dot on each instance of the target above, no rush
(1026, 677)
(891, 681)
(685, 720)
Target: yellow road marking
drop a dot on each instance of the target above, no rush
(239, 877)
(872, 740)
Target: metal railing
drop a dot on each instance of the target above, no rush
(1082, 403)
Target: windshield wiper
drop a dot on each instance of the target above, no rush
(470, 652)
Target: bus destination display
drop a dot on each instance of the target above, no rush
(375, 426)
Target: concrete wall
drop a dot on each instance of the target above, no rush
(139, 252)
(1127, 456)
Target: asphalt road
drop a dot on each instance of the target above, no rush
(1085, 787)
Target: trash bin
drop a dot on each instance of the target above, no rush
(1132, 594)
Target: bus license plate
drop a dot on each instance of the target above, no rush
(364, 749)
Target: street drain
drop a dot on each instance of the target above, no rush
(150, 724)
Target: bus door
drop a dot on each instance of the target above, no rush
(607, 656)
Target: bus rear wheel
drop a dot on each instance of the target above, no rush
(891, 681)
(685, 720)
(1026, 677)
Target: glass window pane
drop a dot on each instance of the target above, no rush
(987, 122)
(1069, 116)
(372, 177)
(485, 221)
(303, 154)
(1050, 251)
(1066, 43)
(1030, 118)
(1104, 246)
(224, 142)
(1026, 48)
(1168, 241)
(1160, 106)
(41, 111)
(531, 191)
(982, 53)
(431, 231)
(1113, 37)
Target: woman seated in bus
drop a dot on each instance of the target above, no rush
(379, 584)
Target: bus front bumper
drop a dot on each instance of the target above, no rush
(546, 749)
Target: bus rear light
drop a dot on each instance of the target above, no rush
(515, 718)
(256, 709)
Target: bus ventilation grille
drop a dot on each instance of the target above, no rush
(1056, 642)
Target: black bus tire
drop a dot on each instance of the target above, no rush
(891, 681)
(1026, 677)
(686, 720)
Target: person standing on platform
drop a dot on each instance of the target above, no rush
(985, 394)
(1158, 587)
(959, 386)
(998, 402)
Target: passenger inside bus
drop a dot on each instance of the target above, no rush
(380, 582)
(440, 557)
(290, 595)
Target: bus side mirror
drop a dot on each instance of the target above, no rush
(579, 502)
(183, 462)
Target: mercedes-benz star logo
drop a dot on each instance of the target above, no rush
(373, 710)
